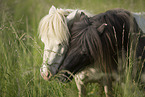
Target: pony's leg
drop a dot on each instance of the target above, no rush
(80, 86)
(108, 91)
(108, 88)
(82, 91)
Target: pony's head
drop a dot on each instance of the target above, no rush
(54, 33)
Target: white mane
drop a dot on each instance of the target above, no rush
(54, 26)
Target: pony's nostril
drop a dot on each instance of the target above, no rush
(48, 75)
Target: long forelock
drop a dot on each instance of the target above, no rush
(54, 26)
(85, 34)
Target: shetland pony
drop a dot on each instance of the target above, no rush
(96, 45)
(54, 33)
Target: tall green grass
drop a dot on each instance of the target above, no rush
(21, 50)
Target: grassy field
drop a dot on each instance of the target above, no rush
(21, 50)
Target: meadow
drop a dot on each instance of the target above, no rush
(21, 50)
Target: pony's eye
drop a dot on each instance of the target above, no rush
(59, 44)
(65, 15)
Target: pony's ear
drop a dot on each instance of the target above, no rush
(52, 10)
(82, 16)
(101, 28)
(72, 15)
(71, 18)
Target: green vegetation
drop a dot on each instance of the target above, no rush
(21, 50)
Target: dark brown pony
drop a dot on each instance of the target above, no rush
(100, 40)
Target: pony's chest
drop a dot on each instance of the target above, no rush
(94, 74)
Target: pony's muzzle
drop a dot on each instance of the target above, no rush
(45, 73)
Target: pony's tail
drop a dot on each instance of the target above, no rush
(54, 25)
